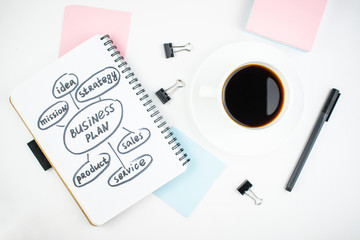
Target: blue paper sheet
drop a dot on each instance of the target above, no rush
(186, 191)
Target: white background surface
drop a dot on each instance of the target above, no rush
(325, 201)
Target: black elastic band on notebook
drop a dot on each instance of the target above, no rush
(39, 155)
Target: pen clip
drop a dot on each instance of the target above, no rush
(331, 102)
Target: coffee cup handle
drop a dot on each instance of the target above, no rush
(207, 91)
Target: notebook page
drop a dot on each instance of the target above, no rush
(95, 132)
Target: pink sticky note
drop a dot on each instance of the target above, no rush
(81, 23)
(293, 22)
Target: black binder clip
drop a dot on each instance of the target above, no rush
(169, 49)
(163, 95)
(244, 188)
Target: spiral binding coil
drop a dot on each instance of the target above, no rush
(144, 97)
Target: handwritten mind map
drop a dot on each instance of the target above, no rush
(92, 126)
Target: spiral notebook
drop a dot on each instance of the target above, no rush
(99, 129)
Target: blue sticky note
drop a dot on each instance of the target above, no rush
(186, 191)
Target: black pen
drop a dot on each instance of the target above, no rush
(324, 117)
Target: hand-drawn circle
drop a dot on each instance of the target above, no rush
(62, 88)
(91, 169)
(110, 110)
(145, 156)
(51, 113)
(143, 140)
(99, 83)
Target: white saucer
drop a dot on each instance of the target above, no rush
(219, 128)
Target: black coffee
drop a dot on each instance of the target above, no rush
(253, 95)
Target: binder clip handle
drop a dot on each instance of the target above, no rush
(178, 84)
(164, 95)
(169, 49)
